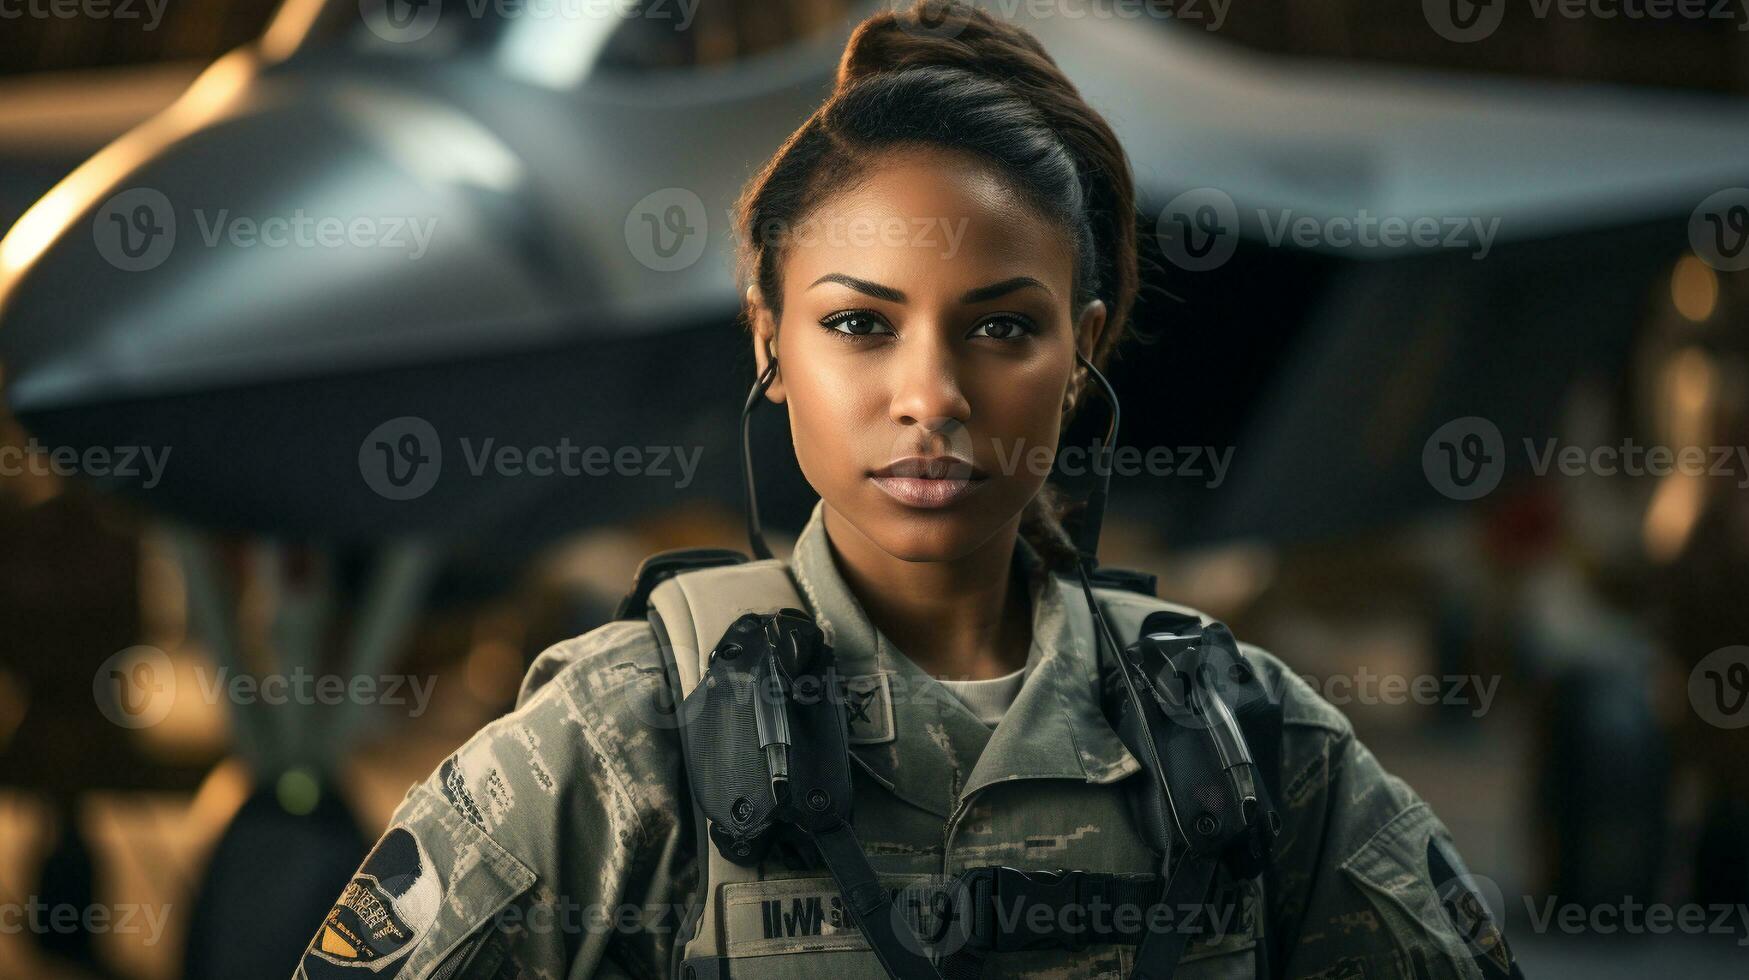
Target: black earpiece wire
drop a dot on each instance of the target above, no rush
(755, 532)
(1087, 545)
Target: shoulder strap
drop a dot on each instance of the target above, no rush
(1259, 717)
(661, 566)
(1256, 710)
(695, 608)
(690, 610)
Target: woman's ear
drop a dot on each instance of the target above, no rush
(1091, 328)
(1087, 334)
(764, 329)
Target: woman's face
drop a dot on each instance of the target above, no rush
(926, 347)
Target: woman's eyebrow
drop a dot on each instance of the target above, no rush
(874, 289)
(891, 295)
(1002, 288)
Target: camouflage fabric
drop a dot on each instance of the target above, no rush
(558, 842)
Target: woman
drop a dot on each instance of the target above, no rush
(927, 256)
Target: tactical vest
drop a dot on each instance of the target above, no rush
(701, 601)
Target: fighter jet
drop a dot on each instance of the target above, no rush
(359, 257)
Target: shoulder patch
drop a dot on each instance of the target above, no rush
(1467, 909)
(379, 917)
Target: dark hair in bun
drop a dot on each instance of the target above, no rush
(946, 75)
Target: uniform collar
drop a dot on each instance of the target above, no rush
(1053, 730)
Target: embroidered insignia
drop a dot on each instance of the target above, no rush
(378, 918)
(868, 704)
(1461, 899)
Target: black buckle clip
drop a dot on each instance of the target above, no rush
(1000, 918)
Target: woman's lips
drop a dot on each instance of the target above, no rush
(923, 492)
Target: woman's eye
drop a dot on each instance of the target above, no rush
(855, 324)
(1002, 328)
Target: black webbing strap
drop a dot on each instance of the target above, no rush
(995, 909)
(1088, 908)
(872, 906)
(1190, 887)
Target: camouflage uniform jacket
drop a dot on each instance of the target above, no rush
(558, 841)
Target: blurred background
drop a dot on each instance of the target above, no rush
(353, 351)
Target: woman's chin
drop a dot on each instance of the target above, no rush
(934, 535)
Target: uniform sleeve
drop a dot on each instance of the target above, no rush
(551, 845)
(1369, 882)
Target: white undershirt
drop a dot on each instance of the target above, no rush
(988, 699)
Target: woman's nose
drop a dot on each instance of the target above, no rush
(926, 386)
